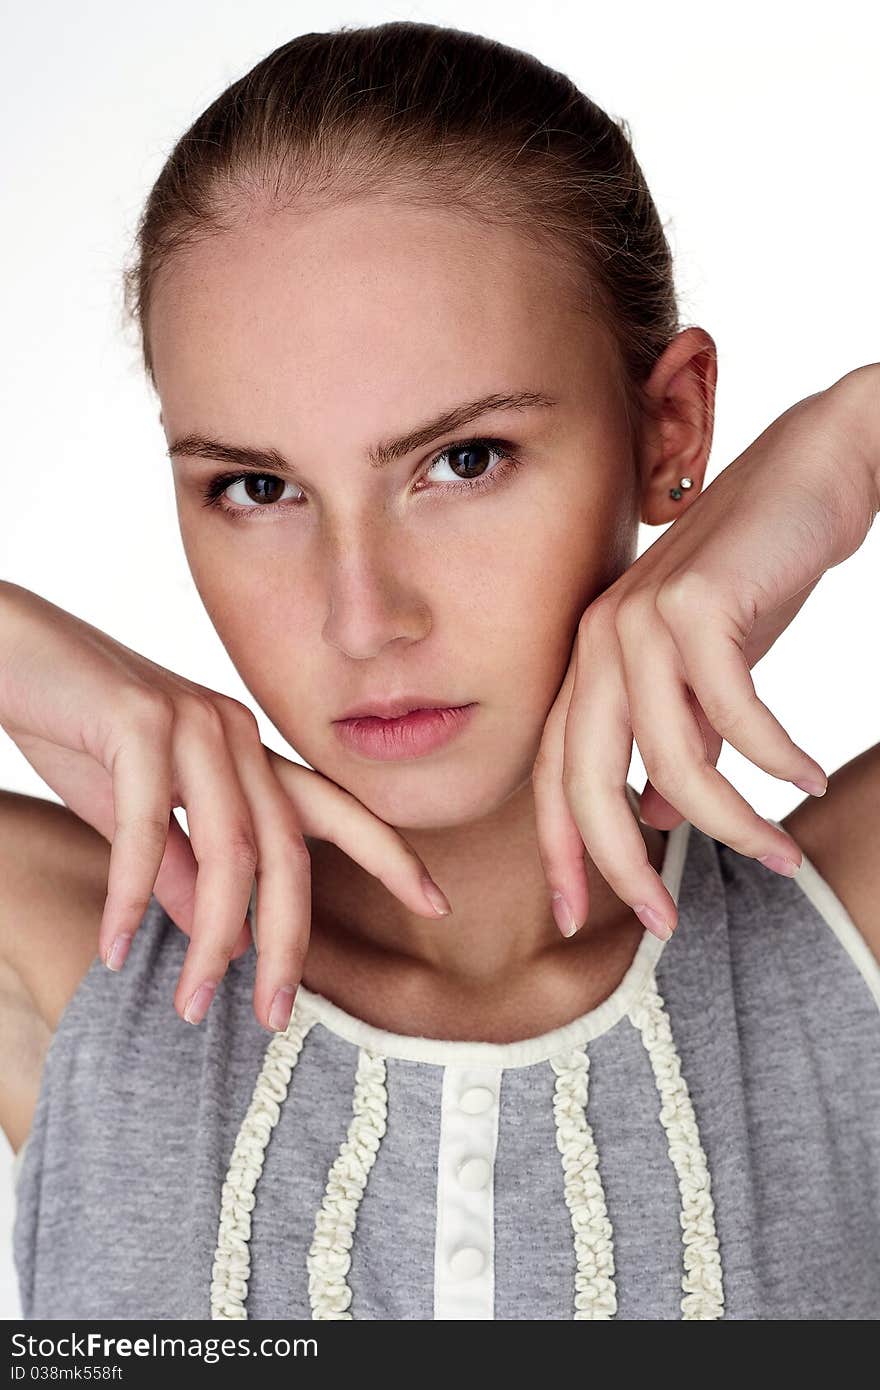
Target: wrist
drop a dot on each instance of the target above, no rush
(857, 396)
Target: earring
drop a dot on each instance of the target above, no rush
(675, 492)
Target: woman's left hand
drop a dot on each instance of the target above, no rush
(664, 656)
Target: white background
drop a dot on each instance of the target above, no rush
(757, 128)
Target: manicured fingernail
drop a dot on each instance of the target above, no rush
(279, 1014)
(198, 1005)
(654, 921)
(779, 864)
(118, 951)
(565, 919)
(813, 788)
(436, 897)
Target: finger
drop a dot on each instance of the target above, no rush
(560, 845)
(144, 828)
(175, 887)
(718, 673)
(327, 811)
(598, 751)
(654, 809)
(672, 749)
(283, 874)
(224, 843)
(141, 777)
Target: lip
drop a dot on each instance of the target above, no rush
(410, 735)
(393, 708)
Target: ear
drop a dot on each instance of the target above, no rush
(676, 432)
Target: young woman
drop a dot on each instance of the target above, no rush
(409, 312)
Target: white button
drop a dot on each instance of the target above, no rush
(476, 1099)
(467, 1262)
(474, 1173)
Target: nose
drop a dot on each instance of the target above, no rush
(374, 596)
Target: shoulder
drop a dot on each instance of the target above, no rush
(53, 882)
(53, 876)
(839, 836)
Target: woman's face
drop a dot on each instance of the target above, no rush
(451, 573)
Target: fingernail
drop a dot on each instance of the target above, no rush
(279, 1014)
(118, 951)
(811, 787)
(435, 897)
(565, 919)
(198, 1005)
(654, 921)
(779, 864)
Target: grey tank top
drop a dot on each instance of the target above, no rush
(703, 1144)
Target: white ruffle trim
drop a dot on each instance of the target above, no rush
(702, 1279)
(329, 1257)
(596, 1295)
(231, 1268)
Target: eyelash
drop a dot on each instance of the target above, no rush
(212, 493)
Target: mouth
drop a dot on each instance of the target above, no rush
(412, 734)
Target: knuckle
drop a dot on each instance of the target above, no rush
(666, 774)
(210, 961)
(240, 846)
(575, 783)
(201, 711)
(285, 827)
(214, 956)
(682, 595)
(284, 959)
(239, 716)
(149, 830)
(122, 901)
(633, 612)
(148, 707)
(597, 621)
(724, 715)
(296, 849)
(541, 765)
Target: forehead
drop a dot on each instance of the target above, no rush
(369, 308)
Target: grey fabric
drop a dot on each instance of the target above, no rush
(779, 1041)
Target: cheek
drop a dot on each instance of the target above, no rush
(259, 617)
(243, 588)
(529, 596)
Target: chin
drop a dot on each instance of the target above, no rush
(411, 796)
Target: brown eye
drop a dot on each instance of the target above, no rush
(262, 487)
(245, 492)
(469, 460)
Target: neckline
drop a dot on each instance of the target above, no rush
(310, 1006)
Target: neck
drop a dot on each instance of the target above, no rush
(501, 923)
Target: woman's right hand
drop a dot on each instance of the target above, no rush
(124, 741)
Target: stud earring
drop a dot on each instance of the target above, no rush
(675, 492)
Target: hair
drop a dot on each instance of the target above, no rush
(436, 117)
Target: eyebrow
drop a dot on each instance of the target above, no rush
(270, 460)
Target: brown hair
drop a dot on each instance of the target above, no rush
(418, 113)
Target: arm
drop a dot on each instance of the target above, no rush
(840, 832)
